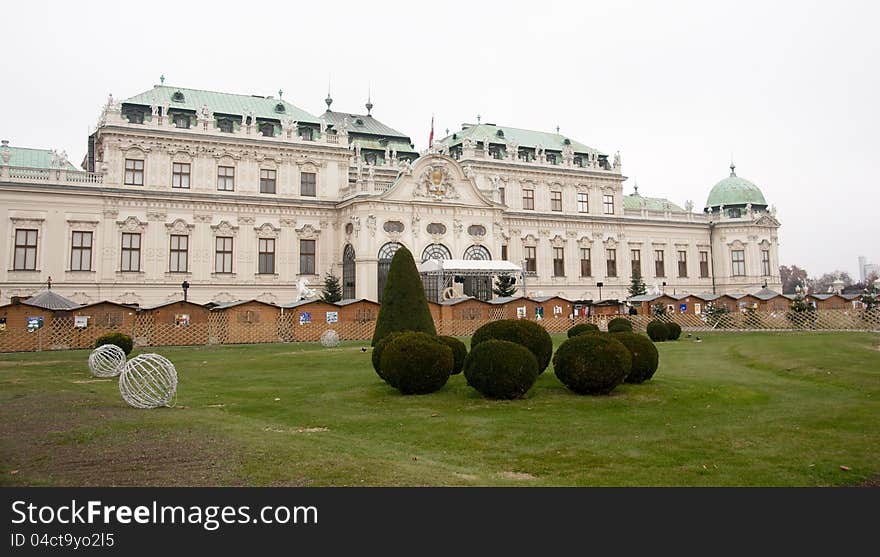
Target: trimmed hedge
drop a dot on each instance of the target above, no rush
(501, 369)
(416, 363)
(404, 306)
(658, 331)
(592, 364)
(376, 356)
(644, 356)
(459, 352)
(620, 325)
(521, 331)
(674, 330)
(121, 340)
(581, 329)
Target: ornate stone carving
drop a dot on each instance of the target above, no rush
(246, 221)
(224, 229)
(156, 216)
(266, 230)
(371, 225)
(307, 232)
(204, 218)
(179, 226)
(436, 183)
(287, 221)
(131, 224)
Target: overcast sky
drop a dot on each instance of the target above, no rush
(790, 89)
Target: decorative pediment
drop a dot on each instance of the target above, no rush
(268, 297)
(767, 220)
(307, 232)
(736, 244)
(308, 164)
(224, 297)
(585, 241)
(435, 183)
(224, 229)
(610, 243)
(557, 241)
(765, 244)
(130, 298)
(437, 178)
(26, 222)
(179, 226)
(267, 230)
(529, 240)
(82, 224)
(131, 224)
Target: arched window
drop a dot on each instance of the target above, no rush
(436, 251)
(478, 287)
(479, 253)
(386, 253)
(348, 272)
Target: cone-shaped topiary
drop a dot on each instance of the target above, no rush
(501, 369)
(658, 331)
(592, 364)
(459, 352)
(416, 363)
(404, 306)
(582, 328)
(620, 325)
(674, 330)
(644, 356)
(376, 356)
(521, 331)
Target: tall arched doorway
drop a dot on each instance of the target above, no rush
(349, 273)
(436, 251)
(478, 287)
(386, 254)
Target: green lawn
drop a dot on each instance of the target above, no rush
(734, 409)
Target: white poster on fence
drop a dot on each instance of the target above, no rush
(81, 321)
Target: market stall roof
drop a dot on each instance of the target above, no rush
(468, 266)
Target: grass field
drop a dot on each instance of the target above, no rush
(734, 409)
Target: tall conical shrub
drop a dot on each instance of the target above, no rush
(404, 306)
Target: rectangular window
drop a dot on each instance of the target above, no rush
(179, 262)
(608, 204)
(528, 199)
(181, 121)
(180, 175)
(635, 257)
(611, 262)
(555, 200)
(131, 253)
(704, 264)
(659, 268)
(134, 172)
(226, 178)
(266, 256)
(738, 258)
(80, 251)
(682, 264)
(307, 257)
(558, 262)
(223, 254)
(267, 181)
(765, 262)
(501, 196)
(307, 184)
(586, 266)
(531, 257)
(25, 250)
(504, 253)
(583, 203)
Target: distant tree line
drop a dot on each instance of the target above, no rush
(794, 276)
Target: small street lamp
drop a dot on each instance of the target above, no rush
(600, 285)
(185, 287)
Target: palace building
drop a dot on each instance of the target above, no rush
(250, 197)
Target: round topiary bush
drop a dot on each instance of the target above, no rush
(674, 330)
(376, 356)
(459, 352)
(501, 369)
(620, 325)
(592, 364)
(658, 331)
(416, 363)
(582, 328)
(644, 356)
(521, 331)
(121, 340)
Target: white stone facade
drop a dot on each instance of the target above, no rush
(437, 199)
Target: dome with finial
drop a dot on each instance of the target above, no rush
(734, 191)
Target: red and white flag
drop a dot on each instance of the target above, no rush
(431, 137)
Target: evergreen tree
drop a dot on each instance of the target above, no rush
(637, 288)
(332, 292)
(505, 285)
(404, 305)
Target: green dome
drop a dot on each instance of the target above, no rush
(735, 191)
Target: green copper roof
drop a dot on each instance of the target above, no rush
(734, 190)
(221, 103)
(398, 146)
(636, 201)
(33, 158)
(524, 138)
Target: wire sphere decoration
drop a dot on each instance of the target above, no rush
(329, 338)
(148, 381)
(107, 360)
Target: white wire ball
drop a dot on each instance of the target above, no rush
(329, 338)
(148, 381)
(107, 360)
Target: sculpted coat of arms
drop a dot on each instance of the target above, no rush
(436, 183)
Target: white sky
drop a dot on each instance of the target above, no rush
(791, 89)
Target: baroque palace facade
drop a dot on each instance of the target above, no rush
(247, 197)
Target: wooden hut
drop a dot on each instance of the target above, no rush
(245, 321)
(176, 323)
